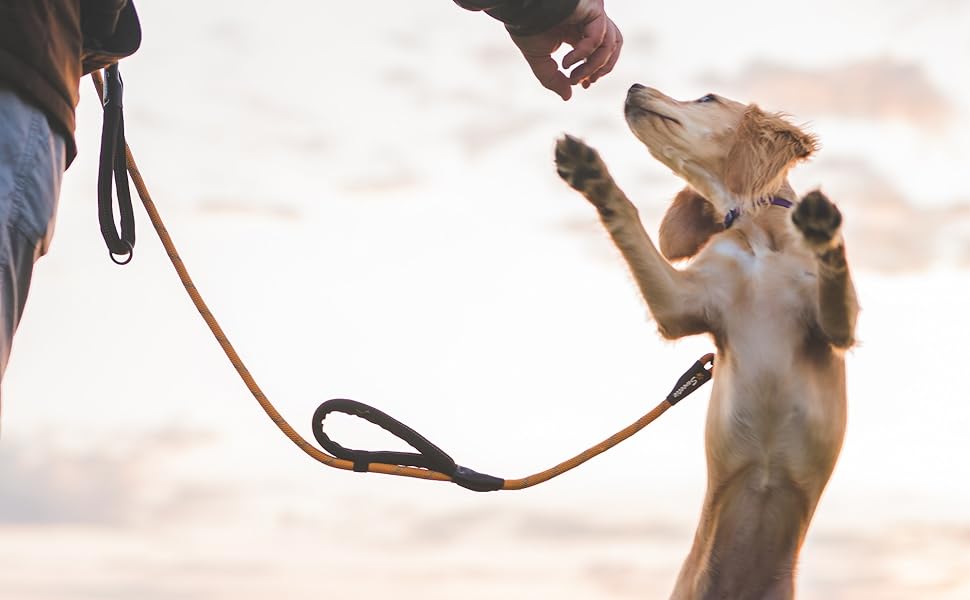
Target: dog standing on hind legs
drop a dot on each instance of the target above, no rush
(771, 285)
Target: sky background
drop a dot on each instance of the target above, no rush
(364, 193)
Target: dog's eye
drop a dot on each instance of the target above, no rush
(707, 98)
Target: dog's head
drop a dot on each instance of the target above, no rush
(730, 154)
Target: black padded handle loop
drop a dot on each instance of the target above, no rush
(428, 456)
(113, 168)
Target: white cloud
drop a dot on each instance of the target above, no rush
(870, 89)
(43, 482)
(885, 231)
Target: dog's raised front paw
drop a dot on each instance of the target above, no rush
(579, 165)
(818, 219)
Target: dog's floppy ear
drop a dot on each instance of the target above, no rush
(687, 225)
(765, 147)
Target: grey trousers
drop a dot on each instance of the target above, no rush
(32, 160)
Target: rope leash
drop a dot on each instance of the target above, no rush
(429, 462)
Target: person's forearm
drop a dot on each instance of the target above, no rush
(524, 17)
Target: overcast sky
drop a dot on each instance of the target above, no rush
(364, 192)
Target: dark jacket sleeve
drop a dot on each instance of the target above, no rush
(524, 17)
(111, 32)
(99, 18)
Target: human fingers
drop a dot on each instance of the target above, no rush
(547, 72)
(593, 32)
(598, 59)
(613, 58)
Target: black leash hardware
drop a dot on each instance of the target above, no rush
(696, 376)
(121, 246)
(428, 456)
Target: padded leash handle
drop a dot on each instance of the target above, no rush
(428, 456)
(112, 168)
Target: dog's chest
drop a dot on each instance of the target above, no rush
(765, 409)
(763, 290)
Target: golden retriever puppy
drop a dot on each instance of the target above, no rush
(770, 284)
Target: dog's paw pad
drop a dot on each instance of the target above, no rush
(578, 164)
(817, 218)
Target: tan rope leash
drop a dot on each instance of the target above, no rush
(431, 463)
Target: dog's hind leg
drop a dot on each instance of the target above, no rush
(747, 541)
(674, 297)
(820, 223)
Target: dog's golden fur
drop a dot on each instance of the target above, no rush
(773, 291)
(763, 149)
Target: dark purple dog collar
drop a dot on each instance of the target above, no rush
(734, 213)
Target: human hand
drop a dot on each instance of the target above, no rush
(595, 41)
